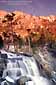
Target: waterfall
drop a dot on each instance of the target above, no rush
(28, 65)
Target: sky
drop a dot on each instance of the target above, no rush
(34, 7)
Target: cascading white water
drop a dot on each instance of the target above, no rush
(37, 78)
(30, 66)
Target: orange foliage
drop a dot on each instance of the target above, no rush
(41, 25)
